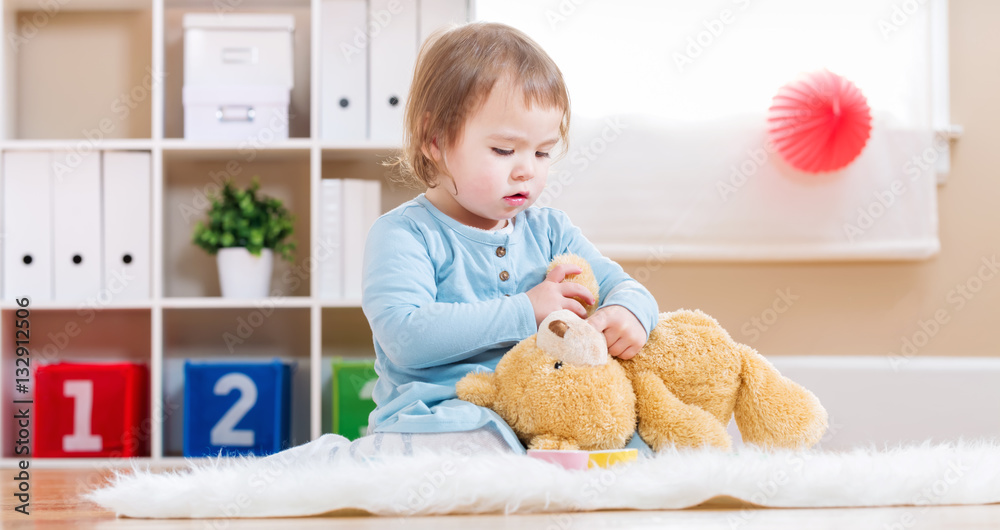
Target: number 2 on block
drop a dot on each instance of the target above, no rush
(224, 432)
(81, 440)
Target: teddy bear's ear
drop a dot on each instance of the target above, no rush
(477, 388)
(585, 278)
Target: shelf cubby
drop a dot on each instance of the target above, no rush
(346, 335)
(99, 51)
(191, 176)
(249, 334)
(82, 335)
(299, 112)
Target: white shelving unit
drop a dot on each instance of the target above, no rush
(90, 58)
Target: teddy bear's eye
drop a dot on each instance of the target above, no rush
(558, 365)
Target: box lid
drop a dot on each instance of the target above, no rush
(235, 94)
(229, 21)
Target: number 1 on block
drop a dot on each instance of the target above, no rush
(81, 440)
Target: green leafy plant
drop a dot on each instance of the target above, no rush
(242, 218)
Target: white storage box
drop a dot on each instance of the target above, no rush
(238, 49)
(236, 113)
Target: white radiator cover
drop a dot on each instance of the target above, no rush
(886, 401)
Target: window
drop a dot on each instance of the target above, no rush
(669, 152)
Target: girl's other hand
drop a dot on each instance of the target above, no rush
(623, 331)
(552, 294)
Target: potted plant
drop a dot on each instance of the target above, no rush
(244, 230)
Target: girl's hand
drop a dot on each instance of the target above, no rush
(621, 328)
(553, 294)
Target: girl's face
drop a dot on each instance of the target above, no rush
(499, 163)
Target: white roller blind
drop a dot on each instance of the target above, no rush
(669, 153)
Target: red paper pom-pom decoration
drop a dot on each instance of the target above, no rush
(819, 122)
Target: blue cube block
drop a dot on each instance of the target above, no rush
(236, 408)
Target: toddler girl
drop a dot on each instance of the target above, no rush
(455, 277)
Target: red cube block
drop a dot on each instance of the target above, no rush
(91, 410)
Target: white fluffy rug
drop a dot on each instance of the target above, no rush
(287, 485)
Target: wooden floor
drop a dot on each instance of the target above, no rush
(55, 504)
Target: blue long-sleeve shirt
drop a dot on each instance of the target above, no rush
(445, 299)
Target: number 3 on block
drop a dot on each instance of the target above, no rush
(224, 433)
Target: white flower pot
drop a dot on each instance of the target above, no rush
(243, 275)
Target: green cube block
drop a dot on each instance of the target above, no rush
(353, 382)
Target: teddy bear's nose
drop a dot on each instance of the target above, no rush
(558, 327)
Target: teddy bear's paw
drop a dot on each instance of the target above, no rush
(719, 438)
(664, 420)
(707, 436)
(773, 411)
(547, 442)
(477, 388)
(585, 278)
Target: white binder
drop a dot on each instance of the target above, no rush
(27, 225)
(344, 71)
(330, 253)
(393, 52)
(353, 204)
(76, 225)
(361, 206)
(127, 263)
(435, 14)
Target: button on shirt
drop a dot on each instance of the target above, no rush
(445, 299)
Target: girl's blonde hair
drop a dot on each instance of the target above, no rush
(455, 72)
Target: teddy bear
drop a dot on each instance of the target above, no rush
(560, 389)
